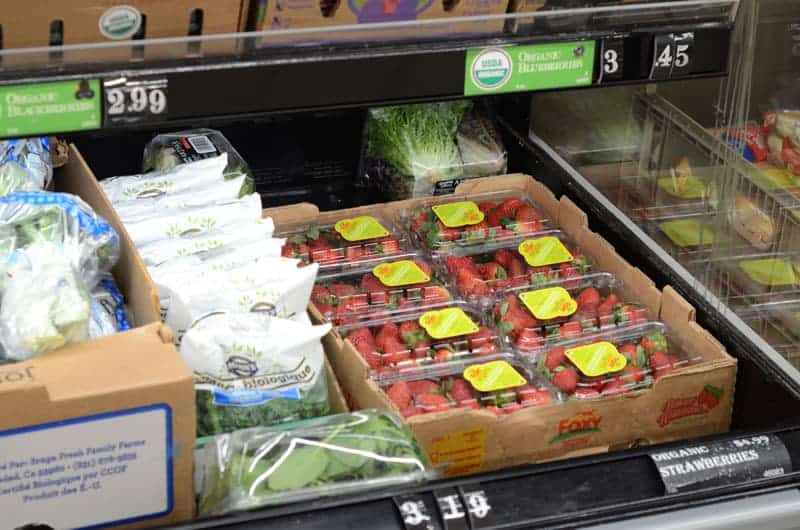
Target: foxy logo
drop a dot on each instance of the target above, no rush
(677, 408)
(580, 424)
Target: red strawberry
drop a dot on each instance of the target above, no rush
(326, 310)
(664, 364)
(529, 339)
(432, 402)
(341, 290)
(461, 390)
(615, 387)
(586, 393)
(387, 331)
(419, 220)
(533, 397)
(565, 379)
(423, 386)
(370, 283)
(486, 206)
(554, 358)
(400, 394)
(471, 283)
(354, 252)
(411, 410)
(388, 246)
(635, 354)
(516, 268)
(504, 258)
(494, 218)
(481, 338)
(588, 298)
(633, 374)
(628, 314)
(362, 340)
(571, 329)
(395, 351)
(492, 271)
(509, 207)
(527, 220)
(320, 294)
(442, 355)
(477, 232)
(435, 294)
(457, 263)
(567, 271)
(469, 404)
(710, 396)
(409, 326)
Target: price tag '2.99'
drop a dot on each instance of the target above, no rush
(134, 100)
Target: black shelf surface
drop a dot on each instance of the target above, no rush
(251, 74)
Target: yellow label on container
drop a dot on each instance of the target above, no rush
(455, 214)
(360, 228)
(771, 271)
(447, 323)
(688, 187)
(495, 375)
(595, 359)
(399, 273)
(544, 251)
(549, 303)
(462, 452)
(688, 233)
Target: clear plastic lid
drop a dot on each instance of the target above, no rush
(331, 455)
(529, 318)
(448, 334)
(403, 284)
(501, 387)
(476, 274)
(358, 242)
(612, 363)
(449, 223)
(762, 277)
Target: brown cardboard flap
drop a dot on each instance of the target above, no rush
(674, 308)
(295, 213)
(570, 217)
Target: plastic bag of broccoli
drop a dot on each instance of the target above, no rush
(429, 148)
(169, 150)
(334, 455)
(25, 164)
(53, 250)
(251, 369)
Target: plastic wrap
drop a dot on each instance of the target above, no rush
(429, 148)
(334, 455)
(254, 370)
(25, 164)
(54, 249)
(108, 312)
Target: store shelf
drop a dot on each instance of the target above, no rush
(289, 70)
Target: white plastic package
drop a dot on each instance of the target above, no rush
(25, 164)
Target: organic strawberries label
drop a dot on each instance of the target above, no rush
(447, 323)
(595, 359)
(456, 214)
(546, 304)
(360, 228)
(771, 271)
(399, 273)
(495, 375)
(544, 251)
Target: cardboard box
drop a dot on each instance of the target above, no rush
(470, 441)
(100, 432)
(83, 21)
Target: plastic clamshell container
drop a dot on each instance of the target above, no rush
(478, 273)
(464, 388)
(665, 193)
(611, 363)
(356, 242)
(528, 317)
(330, 455)
(452, 222)
(434, 339)
(784, 316)
(760, 278)
(400, 285)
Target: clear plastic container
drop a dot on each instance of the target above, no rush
(501, 387)
(612, 363)
(530, 318)
(403, 284)
(332, 455)
(437, 338)
(758, 278)
(445, 224)
(476, 274)
(358, 242)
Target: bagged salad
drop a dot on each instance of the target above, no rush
(429, 148)
(53, 251)
(334, 455)
(108, 313)
(25, 164)
(170, 150)
(255, 370)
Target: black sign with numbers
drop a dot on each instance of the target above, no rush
(672, 55)
(452, 509)
(479, 507)
(612, 60)
(417, 513)
(134, 100)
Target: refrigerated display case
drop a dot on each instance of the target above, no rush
(640, 147)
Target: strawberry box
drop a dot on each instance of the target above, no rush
(500, 387)
(476, 274)
(443, 225)
(529, 318)
(612, 363)
(405, 283)
(343, 242)
(441, 336)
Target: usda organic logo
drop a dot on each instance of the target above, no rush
(491, 69)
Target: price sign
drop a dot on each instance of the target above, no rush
(133, 100)
(479, 508)
(672, 55)
(612, 59)
(417, 513)
(452, 509)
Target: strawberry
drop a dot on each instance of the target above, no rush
(321, 295)
(529, 339)
(504, 258)
(516, 268)
(565, 378)
(533, 397)
(633, 374)
(457, 263)
(477, 232)
(486, 206)
(663, 365)
(615, 386)
(586, 393)
(405, 303)
(409, 326)
(526, 220)
(400, 394)
(387, 246)
(395, 351)
(461, 390)
(341, 290)
(567, 271)
(515, 321)
(628, 314)
(413, 335)
(418, 221)
(635, 354)
(588, 298)
(326, 310)
(423, 386)
(411, 410)
(362, 340)
(354, 252)
(571, 329)
(654, 341)
(492, 271)
(554, 358)
(435, 294)
(710, 396)
(509, 207)
(370, 283)
(388, 330)
(442, 355)
(481, 338)
(494, 218)
(471, 283)
(432, 402)
(469, 404)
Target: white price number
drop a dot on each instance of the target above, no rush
(116, 101)
(681, 57)
(141, 99)
(610, 62)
